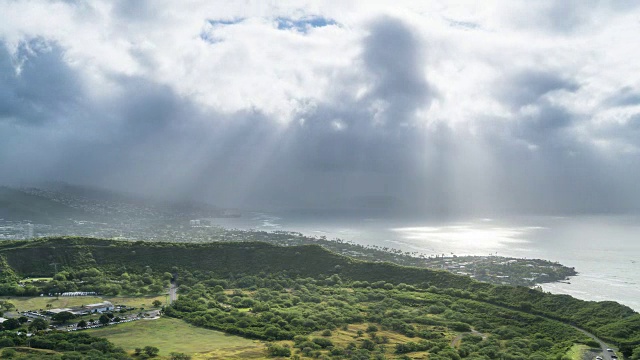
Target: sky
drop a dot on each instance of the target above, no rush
(439, 107)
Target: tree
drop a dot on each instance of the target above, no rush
(157, 303)
(63, 317)
(104, 319)
(368, 344)
(11, 324)
(82, 324)
(180, 356)
(7, 306)
(39, 324)
(151, 350)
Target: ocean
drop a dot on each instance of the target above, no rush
(604, 250)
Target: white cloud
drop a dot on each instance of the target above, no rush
(428, 91)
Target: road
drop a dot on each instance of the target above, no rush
(605, 354)
(173, 295)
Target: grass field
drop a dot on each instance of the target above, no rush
(30, 280)
(37, 303)
(174, 335)
(577, 352)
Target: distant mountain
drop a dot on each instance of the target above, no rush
(113, 204)
(18, 205)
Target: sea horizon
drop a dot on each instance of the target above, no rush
(597, 246)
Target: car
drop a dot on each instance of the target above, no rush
(610, 350)
(599, 358)
(614, 357)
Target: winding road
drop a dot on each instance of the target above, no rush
(606, 355)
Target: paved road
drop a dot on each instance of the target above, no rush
(605, 354)
(173, 296)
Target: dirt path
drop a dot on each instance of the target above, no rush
(456, 341)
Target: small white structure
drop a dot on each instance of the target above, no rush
(99, 307)
(79, 293)
(2, 320)
(58, 311)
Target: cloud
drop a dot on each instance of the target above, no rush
(38, 85)
(425, 108)
(529, 86)
(393, 57)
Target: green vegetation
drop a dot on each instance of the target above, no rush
(174, 335)
(58, 346)
(577, 352)
(311, 312)
(284, 294)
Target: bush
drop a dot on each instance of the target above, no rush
(6, 342)
(151, 351)
(9, 353)
(180, 356)
(322, 342)
(277, 350)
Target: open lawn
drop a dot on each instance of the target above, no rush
(577, 352)
(30, 280)
(37, 303)
(174, 335)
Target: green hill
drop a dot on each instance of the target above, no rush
(609, 320)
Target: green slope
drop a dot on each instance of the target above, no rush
(608, 320)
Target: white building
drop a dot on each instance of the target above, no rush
(99, 307)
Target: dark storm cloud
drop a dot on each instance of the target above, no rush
(529, 86)
(393, 56)
(38, 85)
(546, 125)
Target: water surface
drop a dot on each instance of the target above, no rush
(605, 250)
